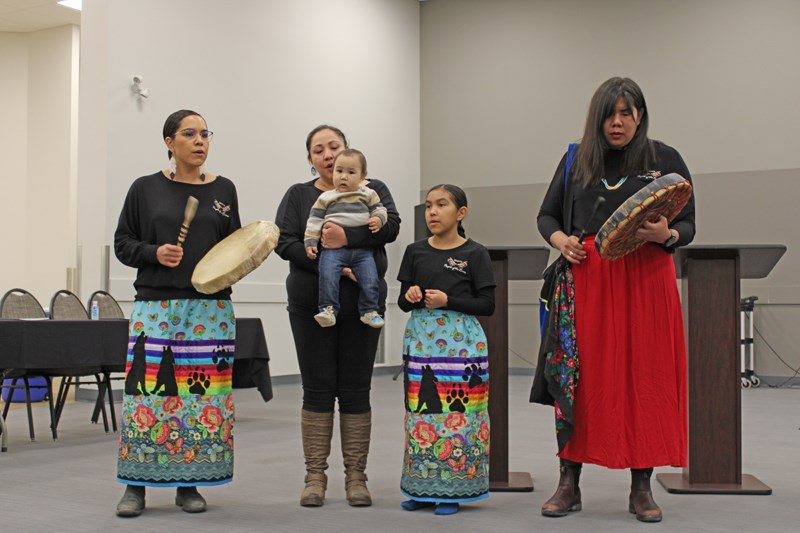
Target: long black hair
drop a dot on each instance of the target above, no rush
(459, 198)
(639, 154)
(173, 122)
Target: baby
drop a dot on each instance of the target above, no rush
(349, 204)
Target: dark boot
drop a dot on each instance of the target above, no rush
(190, 500)
(356, 431)
(641, 501)
(567, 498)
(317, 430)
(132, 502)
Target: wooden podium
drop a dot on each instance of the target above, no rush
(509, 263)
(710, 293)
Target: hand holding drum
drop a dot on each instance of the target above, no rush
(664, 196)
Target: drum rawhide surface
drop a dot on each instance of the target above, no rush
(665, 196)
(236, 256)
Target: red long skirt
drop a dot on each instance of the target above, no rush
(630, 405)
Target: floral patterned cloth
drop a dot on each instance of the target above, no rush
(561, 366)
(177, 411)
(447, 421)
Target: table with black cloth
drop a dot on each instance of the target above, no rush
(50, 346)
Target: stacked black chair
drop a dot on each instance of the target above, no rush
(66, 306)
(107, 307)
(20, 304)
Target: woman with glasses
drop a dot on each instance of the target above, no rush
(178, 407)
(335, 362)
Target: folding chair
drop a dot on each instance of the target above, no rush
(66, 306)
(20, 304)
(108, 307)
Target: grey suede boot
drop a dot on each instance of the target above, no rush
(190, 500)
(132, 502)
(317, 431)
(356, 430)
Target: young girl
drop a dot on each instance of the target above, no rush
(446, 280)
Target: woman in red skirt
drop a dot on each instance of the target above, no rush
(627, 404)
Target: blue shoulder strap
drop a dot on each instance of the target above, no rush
(546, 291)
(571, 152)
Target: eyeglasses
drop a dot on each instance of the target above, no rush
(191, 133)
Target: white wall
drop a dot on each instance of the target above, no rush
(512, 79)
(263, 73)
(14, 143)
(505, 86)
(93, 213)
(51, 157)
(39, 105)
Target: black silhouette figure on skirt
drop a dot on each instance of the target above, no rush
(166, 374)
(428, 393)
(138, 371)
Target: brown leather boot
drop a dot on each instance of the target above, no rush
(317, 430)
(356, 431)
(567, 498)
(641, 501)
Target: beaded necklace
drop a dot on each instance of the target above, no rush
(614, 187)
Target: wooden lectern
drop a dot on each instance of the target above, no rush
(509, 263)
(710, 293)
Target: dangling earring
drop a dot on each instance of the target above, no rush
(313, 170)
(173, 167)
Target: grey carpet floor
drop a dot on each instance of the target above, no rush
(69, 485)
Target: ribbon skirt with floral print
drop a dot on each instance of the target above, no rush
(177, 410)
(447, 421)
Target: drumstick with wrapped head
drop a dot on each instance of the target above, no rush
(597, 203)
(188, 215)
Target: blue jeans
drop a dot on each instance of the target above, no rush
(360, 260)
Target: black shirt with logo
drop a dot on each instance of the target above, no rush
(619, 189)
(152, 216)
(463, 273)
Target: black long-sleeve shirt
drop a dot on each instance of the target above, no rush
(463, 273)
(152, 216)
(302, 284)
(551, 215)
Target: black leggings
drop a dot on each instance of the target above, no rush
(335, 362)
